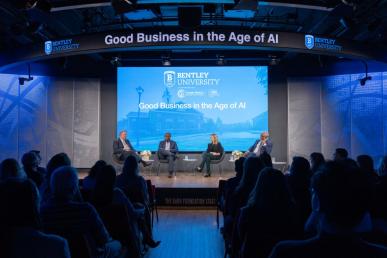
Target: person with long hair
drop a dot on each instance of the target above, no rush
(316, 161)
(267, 217)
(89, 181)
(20, 223)
(105, 193)
(298, 182)
(251, 170)
(135, 188)
(214, 151)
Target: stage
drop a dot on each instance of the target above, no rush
(185, 189)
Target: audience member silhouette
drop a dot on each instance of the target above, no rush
(41, 170)
(340, 154)
(266, 159)
(232, 183)
(251, 169)
(341, 194)
(382, 170)
(58, 160)
(366, 164)
(30, 163)
(88, 183)
(20, 224)
(316, 161)
(267, 218)
(65, 216)
(134, 186)
(298, 181)
(105, 193)
(10, 168)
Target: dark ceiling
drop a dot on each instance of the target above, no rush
(25, 22)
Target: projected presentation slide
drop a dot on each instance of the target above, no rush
(191, 103)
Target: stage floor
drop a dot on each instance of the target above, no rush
(188, 180)
(181, 180)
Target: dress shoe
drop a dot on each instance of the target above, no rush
(170, 176)
(153, 244)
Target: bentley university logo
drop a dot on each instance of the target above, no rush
(48, 47)
(309, 41)
(169, 78)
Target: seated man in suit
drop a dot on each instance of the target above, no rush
(168, 150)
(260, 146)
(122, 148)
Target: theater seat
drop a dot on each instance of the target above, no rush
(218, 162)
(152, 200)
(118, 164)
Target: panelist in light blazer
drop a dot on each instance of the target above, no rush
(168, 150)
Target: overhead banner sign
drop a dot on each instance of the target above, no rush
(202, 38)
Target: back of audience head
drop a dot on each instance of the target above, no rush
(266, 159)
(382, 170)
(300, 167)
(37, 153)
(30, 160)
(19, 200)
(130, 167)
(10, 168)
(270, 194)
(96, 168)
(343, 193)
(104, 186)
(64, 184)
(340, 154)
(58, 160)
(239, 166)
(251, 168)
(316, 161)
(366, 163)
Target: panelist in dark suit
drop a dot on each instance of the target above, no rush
(168, 150)
(260, 146)
(122, 148)
(214, 151)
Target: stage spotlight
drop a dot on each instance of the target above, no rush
(22, 80)
(116, 61)
(364, 80)
(347, 23)
(366, 77)
(166, 61)
(123, 6)
(220, 60)
(273, 60)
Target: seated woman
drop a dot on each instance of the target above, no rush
(135, 188)
(267, 217)
(105, 194)
(214, 151)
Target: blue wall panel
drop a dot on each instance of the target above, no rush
(366, 116)
(335, 113)
(9, 99)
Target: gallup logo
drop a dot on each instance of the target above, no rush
(309, 41)
(169, 78)
(48, 47)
